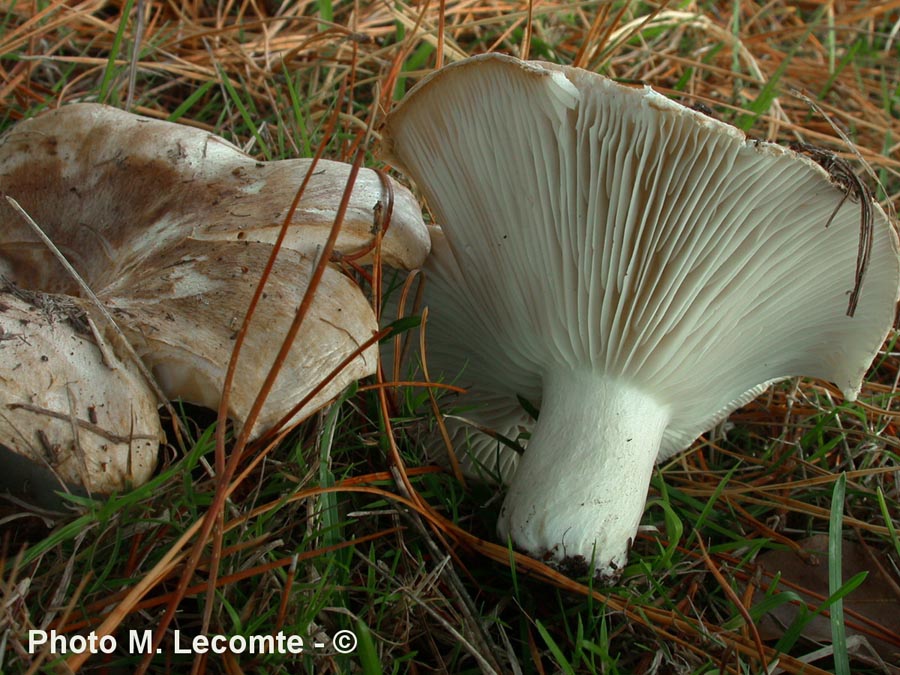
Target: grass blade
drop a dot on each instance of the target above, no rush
(110, 69)
(558, 655)
(835, 532)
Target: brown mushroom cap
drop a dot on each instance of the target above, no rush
(171, 227)
(110, 188)
(182, 309)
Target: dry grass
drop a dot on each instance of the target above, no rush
(328, 529)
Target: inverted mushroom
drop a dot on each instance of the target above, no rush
(635, 268)
(171, 227)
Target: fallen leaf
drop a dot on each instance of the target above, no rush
(872, 610)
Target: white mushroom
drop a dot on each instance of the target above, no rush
(635, 268)
(171, 227)
(73, 415)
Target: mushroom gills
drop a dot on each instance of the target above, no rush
(605, 249)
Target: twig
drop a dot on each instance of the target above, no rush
(845, 179)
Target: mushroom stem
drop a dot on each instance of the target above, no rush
(581, 486)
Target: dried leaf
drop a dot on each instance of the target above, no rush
(873, 601)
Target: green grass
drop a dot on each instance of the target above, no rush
(794, 463)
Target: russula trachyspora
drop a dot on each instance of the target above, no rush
(171, 227)
(635, 268)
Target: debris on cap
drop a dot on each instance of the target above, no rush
(74, 416)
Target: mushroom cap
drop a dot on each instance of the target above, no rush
(71, 417)
(171, 227)
(595, 226)
(109, 188)
(182, 310)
